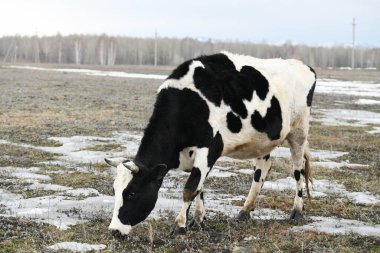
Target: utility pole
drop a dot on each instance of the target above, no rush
(155, 48)
(353, 45)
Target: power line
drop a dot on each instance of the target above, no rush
(353, 45)
(155, 48)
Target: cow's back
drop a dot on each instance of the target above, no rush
(253, 103)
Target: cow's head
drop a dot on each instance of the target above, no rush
(136, 189)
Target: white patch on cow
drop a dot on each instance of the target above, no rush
(124, 176)
(290, 88)
(201, 163)
(188, 78)
(186, 160)
(187, 81)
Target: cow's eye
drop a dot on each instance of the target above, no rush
(131, 195)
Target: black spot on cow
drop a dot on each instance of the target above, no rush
(241, 86)
(233, 122)
(219, 80)
(252, 78)
(300, 193)
(266, 157)
(309, 98)
(271, 124)
(180, 71)
(257, 175)
(215, 150)
(303, 172)
(173, 126)
(211, 78)
(188, 211)
(191, 153)
(297, 175)
(312, 70)
(193, 181)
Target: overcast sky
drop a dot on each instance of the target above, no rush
(318, 22)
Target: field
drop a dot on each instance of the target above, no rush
(56, 192)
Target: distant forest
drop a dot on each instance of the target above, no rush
(114, 50)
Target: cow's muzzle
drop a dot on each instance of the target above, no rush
(118, 229)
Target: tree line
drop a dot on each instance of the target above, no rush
(113, 50)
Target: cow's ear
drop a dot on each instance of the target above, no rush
(159, 171)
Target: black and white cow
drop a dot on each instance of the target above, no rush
(212, 106)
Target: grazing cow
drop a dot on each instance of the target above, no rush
(212, 106)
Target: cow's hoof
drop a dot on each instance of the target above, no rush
(196, 225)
(117, 234)
(243, 216)
(178, 231)
(296, 215)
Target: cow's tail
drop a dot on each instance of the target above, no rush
(308, 172)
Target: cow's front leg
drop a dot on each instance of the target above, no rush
(193, 188)
(261, 169)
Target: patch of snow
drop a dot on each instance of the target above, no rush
(375, 130)
(6, 195)
(343, 117)
(92, 72)
(318, 154)
(363, 101)
(29, 175)
(26, 174)
(220, 172)
(60, 211)
(337, 165)
(82, 192)
(73, 148)
(5, 142)
(268, 214)
(250, 238)
(77, 247)
(339, 226)
(330, 86)
(246, 171)
(323, 188)
(283, 152)
(48, 187)
(366, 198)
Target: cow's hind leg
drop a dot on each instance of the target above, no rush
(261, 169)
(199, 215)
(298, 147)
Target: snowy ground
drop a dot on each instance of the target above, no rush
(92, 72)
(61, 208)
(65, 206)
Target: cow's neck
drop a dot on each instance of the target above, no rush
(159, 144)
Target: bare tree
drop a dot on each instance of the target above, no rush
(78, 51)
(104, 50)
(36, 50)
